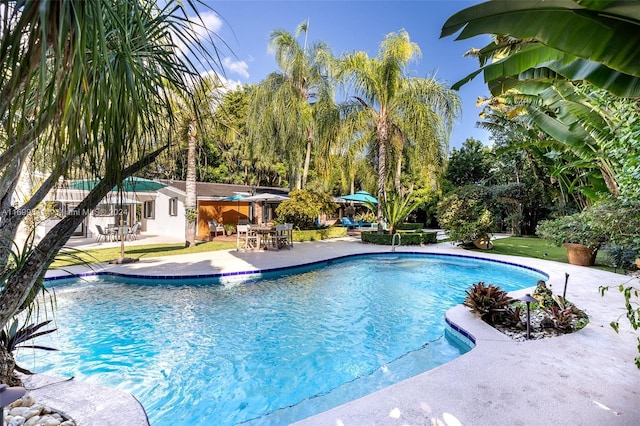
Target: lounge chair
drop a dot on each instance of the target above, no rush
(349, 223)
(215, 227)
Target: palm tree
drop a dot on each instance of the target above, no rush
(395, 109)
(84, 82)
(282, 106)
(196, 113)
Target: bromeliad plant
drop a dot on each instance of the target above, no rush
(488, 301)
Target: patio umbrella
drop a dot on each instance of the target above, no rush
(236, 197)
(130, 184)
(266, 197)
(360, 197)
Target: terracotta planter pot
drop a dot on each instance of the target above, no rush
(580, 255)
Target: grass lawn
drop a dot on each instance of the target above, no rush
(540, 249)
(79, 257)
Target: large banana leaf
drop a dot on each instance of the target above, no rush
(609, 35)
(535, 61)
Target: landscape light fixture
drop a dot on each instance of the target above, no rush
(527, 298)
(7, 396)
(566, 280)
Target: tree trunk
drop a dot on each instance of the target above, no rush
(190, 202)
(383, 139)
(7, 365)
(398, 175)
(307, 161)
(19, 285)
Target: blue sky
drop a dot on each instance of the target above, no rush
(348, 26)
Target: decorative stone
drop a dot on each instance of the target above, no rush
(17, 421)
(18, 411)
(32, 421)
(33, 411)
(27, 412)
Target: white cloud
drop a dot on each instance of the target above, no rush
(208, 23)
(237, 67)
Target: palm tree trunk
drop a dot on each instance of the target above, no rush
(190, 201)
(383, 139)
(307, 160)
(396, 180)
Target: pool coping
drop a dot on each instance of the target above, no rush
(393, 405)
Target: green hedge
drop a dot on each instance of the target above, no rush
(319, 234)
(409, 226)
(408, 238)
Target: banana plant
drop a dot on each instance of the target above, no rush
(601, 49)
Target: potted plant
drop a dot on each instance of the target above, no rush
(229, 229)
(577, 234)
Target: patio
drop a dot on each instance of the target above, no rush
(584, 378)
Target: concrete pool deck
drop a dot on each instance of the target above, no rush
(586, 378)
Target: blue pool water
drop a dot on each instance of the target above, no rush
(271, 351)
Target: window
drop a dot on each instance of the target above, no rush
(149, 209)
(173, 206)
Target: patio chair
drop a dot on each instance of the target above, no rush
(102, 234)
(246, 239)
(133, 231)
(215, 227)
(281, 236)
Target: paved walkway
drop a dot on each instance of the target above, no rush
(586, 378)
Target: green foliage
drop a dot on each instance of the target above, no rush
(319, 234)
(488, 301)
(304, 207)
(409, 226)
(577, 228)
(464, 215)
(229, 228)
(407, 238)
(632, 307)
(544, 294)
(12, 338)
(470, 164)
(396, 207)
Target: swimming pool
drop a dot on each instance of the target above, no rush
(271, 351)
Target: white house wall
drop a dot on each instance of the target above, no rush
(162, 223)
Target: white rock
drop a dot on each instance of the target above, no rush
(28, 400)
(17, 421)
(32, 412)
(50, 421)
(18, 411)
(32, 421)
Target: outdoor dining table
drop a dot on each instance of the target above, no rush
(265, 235)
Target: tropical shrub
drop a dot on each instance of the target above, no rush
(576, 228)
(618, 221)
(13, 338)
(407, 238)
(632, 307)
(304, 207)
(464, 216)
(396, 207)
(319, 234)
(488, 301)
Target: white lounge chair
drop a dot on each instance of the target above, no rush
(215, 227)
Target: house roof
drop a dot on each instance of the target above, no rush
(208, 190)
